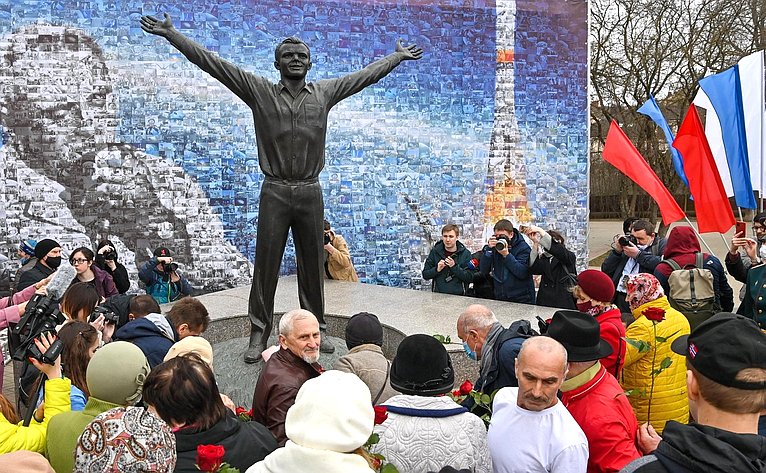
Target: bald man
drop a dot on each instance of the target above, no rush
(493, 346)
(545, 437)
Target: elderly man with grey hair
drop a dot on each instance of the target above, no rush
(545, 437)
(283, 375)
(493, 346)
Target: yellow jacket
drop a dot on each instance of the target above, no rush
(339, 263)
(15, 437)
(669, 401)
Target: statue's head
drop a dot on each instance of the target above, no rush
(292, 58)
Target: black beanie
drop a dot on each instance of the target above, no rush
(422, 367)
(44, 247)
(363, 328)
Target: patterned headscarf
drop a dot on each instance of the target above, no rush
(126, 439)
(642, 288)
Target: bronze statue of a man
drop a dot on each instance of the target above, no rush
(290, 128)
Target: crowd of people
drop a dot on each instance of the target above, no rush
(630, 374)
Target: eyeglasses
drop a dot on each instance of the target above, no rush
(75, 262)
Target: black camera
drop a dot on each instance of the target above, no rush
(327, 238)
(502, 243)
(169, 268)
(40, 316)
(110, 255)
(627, 240)
(109, 316)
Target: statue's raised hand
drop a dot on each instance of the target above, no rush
(409, 52)
(152, 25)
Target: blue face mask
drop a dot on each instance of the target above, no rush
(470, 353)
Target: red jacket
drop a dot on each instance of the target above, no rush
(603, 412)
(613, 332)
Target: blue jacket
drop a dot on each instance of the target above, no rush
(510, 274)
(149, 337)
(159, 286)
(459, 276)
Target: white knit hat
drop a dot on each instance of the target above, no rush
(331, 412)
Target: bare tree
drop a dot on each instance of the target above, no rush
(660, 47)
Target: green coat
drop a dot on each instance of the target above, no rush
(453, 280)
(754, 303)
(65, 429)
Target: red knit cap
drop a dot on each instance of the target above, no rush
(596, 285)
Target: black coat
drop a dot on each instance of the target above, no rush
(246, 443)
(554, 284)
(36, 274)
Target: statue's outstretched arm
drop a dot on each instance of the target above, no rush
(233, 77)
(356, 81)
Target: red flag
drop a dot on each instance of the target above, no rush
(713, 209)
(620, 153)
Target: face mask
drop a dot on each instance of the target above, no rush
(588, 308)
(470, 353)
(53, 261)
(24, 261)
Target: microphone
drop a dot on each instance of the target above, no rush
(60, 281)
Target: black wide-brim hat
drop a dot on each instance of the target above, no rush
(580, 334)
(422, 367)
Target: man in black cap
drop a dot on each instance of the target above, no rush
(364, 339)
(162, 279)
(726, 385)
(592, 395)
(48, 254)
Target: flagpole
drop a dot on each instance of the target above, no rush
(739, 209)
(702, 239)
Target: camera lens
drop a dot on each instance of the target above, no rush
(500, 245)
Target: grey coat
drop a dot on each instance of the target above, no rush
(368, 362)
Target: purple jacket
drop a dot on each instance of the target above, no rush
(104, 283)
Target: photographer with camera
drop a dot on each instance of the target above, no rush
(14, 435)
(337, 262)
(82, 261)
(639, 251)
(505, 258)
(161, 277)
(106, 260)
(556, 265)
(447, 263)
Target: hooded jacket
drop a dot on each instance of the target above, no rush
(696, 448)
(245, 443)
(153, 334)
(119, 275)
(669, 400)
(510, 274)
(682, 247)
(159, 285)
(459, 277)
(647, 259)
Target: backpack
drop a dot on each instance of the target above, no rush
(692, 291)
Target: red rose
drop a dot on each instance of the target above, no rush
(381, 414)
(466, 388)
(654, 314)
(240, 410)
(210, 457)
(456, 393)
(250, 413)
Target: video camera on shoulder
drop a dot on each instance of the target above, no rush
(627, 240)
(109, 316)
(41, 315)
(503, 242)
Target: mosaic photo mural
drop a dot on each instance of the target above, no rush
(106, 131)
